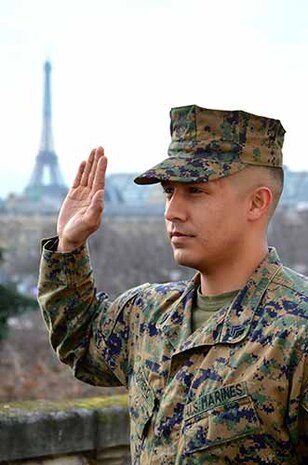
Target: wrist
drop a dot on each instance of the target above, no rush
(67, 246)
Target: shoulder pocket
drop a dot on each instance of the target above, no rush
(218, 422)
(304, 401)
(141, 403)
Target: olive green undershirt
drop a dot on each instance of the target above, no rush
(204, 306)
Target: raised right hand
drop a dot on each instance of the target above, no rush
(81, 211)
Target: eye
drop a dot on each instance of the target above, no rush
(195, 190)
(167, 190)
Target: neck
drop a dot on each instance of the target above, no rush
(233, 273)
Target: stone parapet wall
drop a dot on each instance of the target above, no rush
(91, 431)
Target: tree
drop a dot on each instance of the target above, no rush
(12, 303)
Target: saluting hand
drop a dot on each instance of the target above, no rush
(81, 212)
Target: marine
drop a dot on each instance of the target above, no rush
(215, 367)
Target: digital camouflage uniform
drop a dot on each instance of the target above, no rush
(232, 392)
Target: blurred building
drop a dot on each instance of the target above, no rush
(46, 188)
(295, 192)
(125, 198)
(46, 184)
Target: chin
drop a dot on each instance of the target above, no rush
(182, 259)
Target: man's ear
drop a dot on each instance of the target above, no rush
(261, 200)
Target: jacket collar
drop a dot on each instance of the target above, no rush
(230, 324)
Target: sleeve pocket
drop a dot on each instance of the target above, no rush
(220, 425)
(141, 403)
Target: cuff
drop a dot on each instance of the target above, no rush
(69, 268)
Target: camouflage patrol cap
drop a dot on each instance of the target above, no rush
(209, 144)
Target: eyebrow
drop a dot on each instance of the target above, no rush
(199, 185)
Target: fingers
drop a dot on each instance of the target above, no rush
(79, 174)
(90, 170)
(91, 173)
(99, 177)
(87, 170)
(99, 152)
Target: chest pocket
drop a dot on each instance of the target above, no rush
(141, 403)
(217, 418)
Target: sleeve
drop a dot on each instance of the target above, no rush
(89, 333)
(303, 420)
(297, 419)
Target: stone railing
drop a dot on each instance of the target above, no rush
(91, 431)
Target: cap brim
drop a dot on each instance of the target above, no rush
(192, 169)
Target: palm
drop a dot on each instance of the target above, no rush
(73, 212)
(81, 212)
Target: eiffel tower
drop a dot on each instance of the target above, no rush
(46, 180)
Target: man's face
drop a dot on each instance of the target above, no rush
(206, 222)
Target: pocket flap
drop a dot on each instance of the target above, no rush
(220, 424)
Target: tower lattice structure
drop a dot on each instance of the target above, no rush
(46, 179)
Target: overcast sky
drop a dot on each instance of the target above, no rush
(119, 66)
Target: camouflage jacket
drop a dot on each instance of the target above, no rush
(233, 392)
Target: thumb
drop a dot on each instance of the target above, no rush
(97, 200)
(94, 211)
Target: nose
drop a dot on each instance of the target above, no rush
(175, 209)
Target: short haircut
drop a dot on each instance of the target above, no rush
(276, 185)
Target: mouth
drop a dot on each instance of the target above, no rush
(178, 237)
(179, 234)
